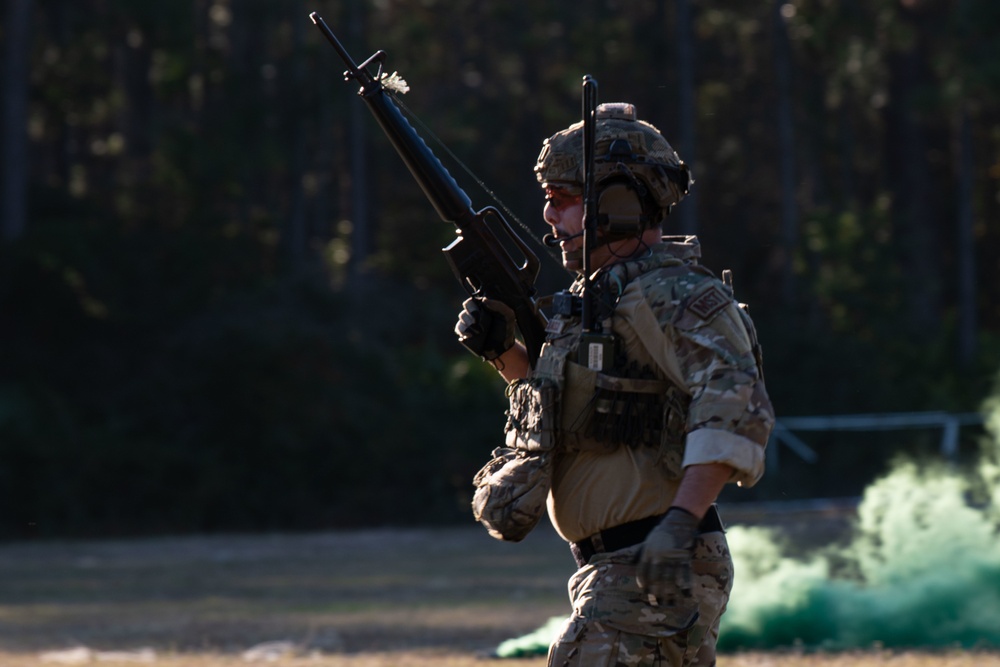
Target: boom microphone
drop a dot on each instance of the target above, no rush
(552, 241)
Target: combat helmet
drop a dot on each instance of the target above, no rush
(638, 176)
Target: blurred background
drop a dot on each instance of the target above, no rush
(223, 305)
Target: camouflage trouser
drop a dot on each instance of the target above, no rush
(614, 625)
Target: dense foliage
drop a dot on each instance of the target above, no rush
(226, 308)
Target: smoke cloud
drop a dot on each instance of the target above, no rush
(921, 569)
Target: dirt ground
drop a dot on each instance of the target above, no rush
(343, 593)
(369, 598)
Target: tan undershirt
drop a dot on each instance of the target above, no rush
(594, 491)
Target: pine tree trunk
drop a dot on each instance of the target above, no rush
(15, 137)
(911, 186)
(966, 244)
(786, 151)
(684, 35)
(296, 232)
(359, 168)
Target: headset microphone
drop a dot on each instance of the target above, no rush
(553, 241)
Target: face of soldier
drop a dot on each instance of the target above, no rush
(564, 213)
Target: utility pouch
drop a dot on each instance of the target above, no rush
(511, 490)
(629, 409)
(533, 415)
(602, 412)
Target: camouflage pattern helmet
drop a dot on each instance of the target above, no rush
(624, 146)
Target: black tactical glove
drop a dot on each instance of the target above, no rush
(485, 327)
(665, 559)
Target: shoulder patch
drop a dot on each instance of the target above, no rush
(709, 303)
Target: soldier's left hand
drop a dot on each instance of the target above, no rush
(485, 327)
(665, 559)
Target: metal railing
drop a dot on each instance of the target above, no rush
(949, 423)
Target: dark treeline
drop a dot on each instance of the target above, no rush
(222, 301)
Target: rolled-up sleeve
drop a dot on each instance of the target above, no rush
(744, 456)
(731, 416)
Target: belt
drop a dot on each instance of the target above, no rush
(632, 533)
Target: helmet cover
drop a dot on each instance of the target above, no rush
(623, 146)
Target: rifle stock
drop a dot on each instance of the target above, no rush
(477, 256)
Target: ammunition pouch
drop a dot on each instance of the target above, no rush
(602, 412)
(512, 489)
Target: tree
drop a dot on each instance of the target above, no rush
(13, 214)
(786, 148)
(686, 102)
(914, 210)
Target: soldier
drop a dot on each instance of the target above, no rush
(628, 427)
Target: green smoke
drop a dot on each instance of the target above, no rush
(534, 643)
(922, 567)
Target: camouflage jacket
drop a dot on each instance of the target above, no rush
(682, 335)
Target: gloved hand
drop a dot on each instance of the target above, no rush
(665, 559)
(485, 327)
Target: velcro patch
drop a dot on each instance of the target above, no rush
(709, 303)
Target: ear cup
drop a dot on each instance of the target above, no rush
(619, 210)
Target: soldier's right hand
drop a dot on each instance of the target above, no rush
(485, 327)
(665, 559)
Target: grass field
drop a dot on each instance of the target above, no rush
(357, 599)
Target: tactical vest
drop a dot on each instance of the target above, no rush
(629, 405)
(601, 411)
(566, 407)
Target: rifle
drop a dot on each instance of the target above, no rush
(477, 256)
